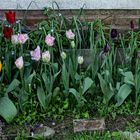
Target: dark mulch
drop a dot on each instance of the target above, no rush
(64, 128)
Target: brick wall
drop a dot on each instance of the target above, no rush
(119, 19)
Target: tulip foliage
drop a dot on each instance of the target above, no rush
(50, 66)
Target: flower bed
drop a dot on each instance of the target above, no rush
(39, 78)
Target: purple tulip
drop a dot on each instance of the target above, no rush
(106, 48)
(113, 33)
(132, 26)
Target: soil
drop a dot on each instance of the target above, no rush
(64, 128)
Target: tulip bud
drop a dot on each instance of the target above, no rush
(63, 55)
(72, 44)
(80, 59)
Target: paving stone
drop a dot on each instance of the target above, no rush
(88, 125)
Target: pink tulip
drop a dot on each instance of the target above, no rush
(36, 54)
(70, 34)
(19, 62)
(22, 38)
(19, 39)
(49, 40)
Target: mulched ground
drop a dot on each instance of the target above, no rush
(65, 127)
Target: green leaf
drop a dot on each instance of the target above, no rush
(75, 93)
(122, 94)
(137, 85)
(129, 78)
(15, 83)
(65, 77)
(87, 84)
(7, 109)
(56, 92)
(41, 97)
(30, 78)
(56, 74)
(106, 89)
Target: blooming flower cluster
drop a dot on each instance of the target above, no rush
(19, 38)
(35, 55)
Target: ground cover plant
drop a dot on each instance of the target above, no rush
(45, 74)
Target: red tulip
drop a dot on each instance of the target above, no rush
(10, 16)
(7, 32)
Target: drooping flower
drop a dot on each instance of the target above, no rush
(7, 32)
(49, 40)
(0, 66)
(63, 55)
(72, 44)
(36, 55)
(113, 33)
(46, 56)
(19, 62)
(69, 34)
(80, 59)
(10, 16)
(19, 39)
(106, 48)
(132, 26)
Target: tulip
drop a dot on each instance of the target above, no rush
(63, 55)
(72, 44)
(10, 17)
(19, 62)
(46, 56)
(49, 40)
(80, 59)
(0, 66)
(35, 55)
(14, 39)
(113, 33)
(69, 34)
(132, 26)
(22, 38)
(106, 48)
(19, 39)
(7, 32)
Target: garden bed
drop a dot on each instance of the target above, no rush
(59, 72)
